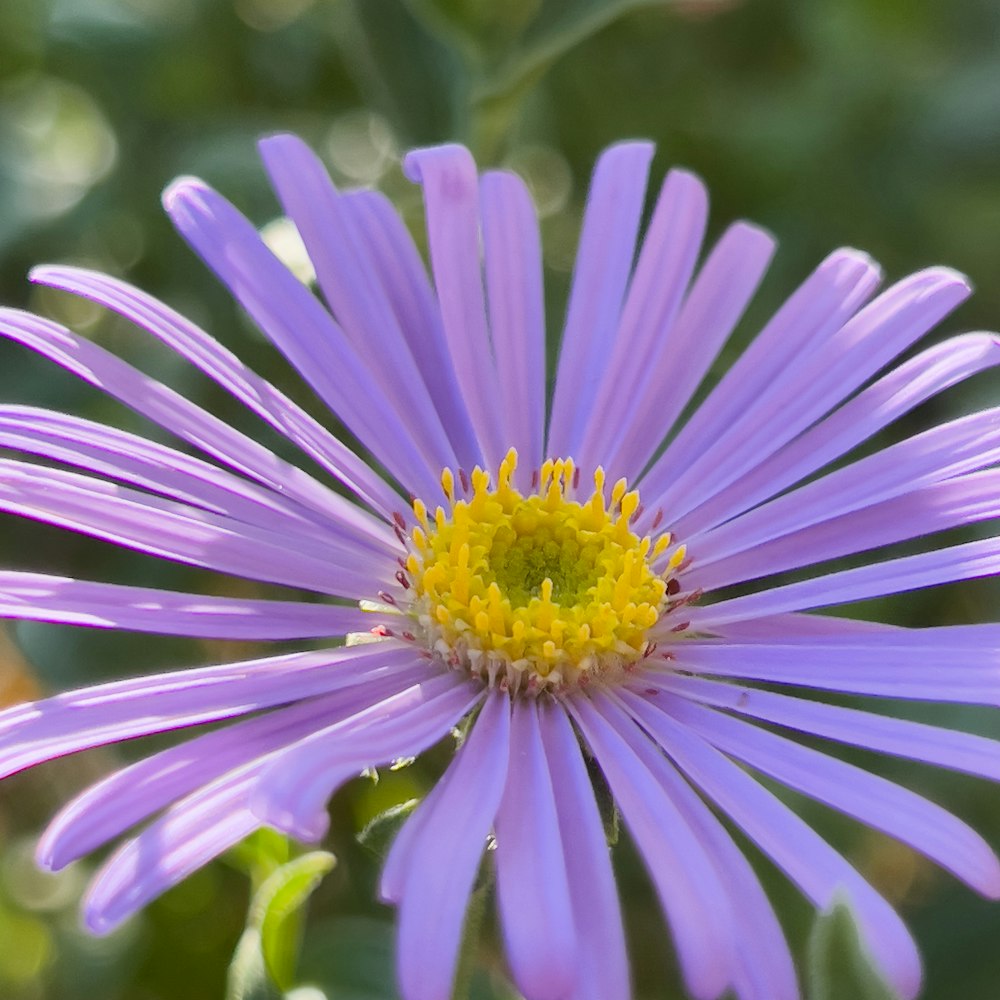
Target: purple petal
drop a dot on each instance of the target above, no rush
(959, 501)
(451, 196)
(721, 292)
(897, 663)
(38, 597)
(780, 628)
(294, 789)
(121, 710)
(445, 854)
(351, 290)
(945, 451)
(255, 393)
(533, 891)
(817, 309)
(913, 740)
(105, 810)
(600, 277)
(397, 265)
(818, 378)
(166, 408)
(867, 797)
(763, 968)
(603, 972)
(692, 897)
(186, 837)
(666, 262)
(513, 256)
(860, 418)
(892, 576)
(301, 328)
(808, 861)
(171, 473)
(188, 534)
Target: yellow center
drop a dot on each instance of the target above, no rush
(540, 590)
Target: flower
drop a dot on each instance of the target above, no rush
(525, 587)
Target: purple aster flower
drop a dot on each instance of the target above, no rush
(513, 578)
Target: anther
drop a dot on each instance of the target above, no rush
(464, 479)
(656, 520)
(399, 520)
(402, 580)
(386, 598)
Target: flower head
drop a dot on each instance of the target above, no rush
(512, 575)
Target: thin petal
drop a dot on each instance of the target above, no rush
(817, 309)
(867, 797)
(301, 328)
(398, 267)
(817, 378)
(690, 893)
(39, 597)
(919, 741)
(763, 969)
(808, 861)
(451, 195)
(945, 451)
(127, 457)
(666, 262)
(600, 278)
(107, 809)
(122, 710)
(166, 408)
(254, 392)
(188, 534)
(860, 418)
(603, 971)
(533, 891)
(294, 789)
(351, 290)
(513, 257)
(680, 360)
(445, 855)
(953, 664)
(189, 835)
(891, 576)
(950, 504)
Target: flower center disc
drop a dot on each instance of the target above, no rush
(538, 590)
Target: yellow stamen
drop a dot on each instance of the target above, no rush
(539, 589)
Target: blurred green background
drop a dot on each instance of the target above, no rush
(874, 123)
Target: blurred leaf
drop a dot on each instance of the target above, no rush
(248, 978)
(838, 967)
(266, 955)
(559, 27)
(408, 74)
(351, 958)
(382, 830)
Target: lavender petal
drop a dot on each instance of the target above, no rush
(533, 890)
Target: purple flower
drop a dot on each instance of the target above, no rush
(524, 585)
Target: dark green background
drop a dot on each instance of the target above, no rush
(874, 123)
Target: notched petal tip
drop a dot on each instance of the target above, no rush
(182, 191)
(451, 165)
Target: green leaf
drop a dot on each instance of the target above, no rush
(379, 834)
(263, 965)
(560, 26)
(838, 966)
(248, 978)
(351, 958)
